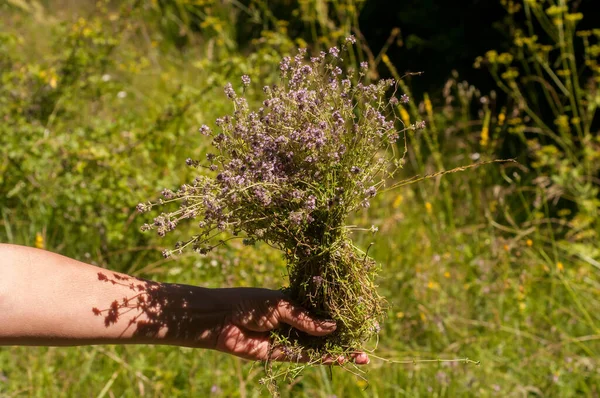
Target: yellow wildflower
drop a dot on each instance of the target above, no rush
(404, 116)
(428, 207)
(433, 285)
(400, 315)
(485, 130)
(428, 106)
(39, 241)
(447, 274)
(529, 242)
(574, 17)
(491, 56)
(397, 201)
(560, 266)
(485, 136)
(501, 119)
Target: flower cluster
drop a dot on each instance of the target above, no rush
(290, 171)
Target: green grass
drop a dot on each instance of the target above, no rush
(470, 267)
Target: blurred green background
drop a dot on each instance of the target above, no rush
(100, 103)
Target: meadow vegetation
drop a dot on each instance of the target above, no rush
(100, 106)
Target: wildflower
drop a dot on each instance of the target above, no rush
(529, 243)
(351, 39)
(311, 203)
(559, 266)
(246, 80)
(404, 116)
(334, 51)
(229, 91)
(364, 65)
(405, 99)
(168, 194)
(485, 136)
(397, 201)
(420, 125)
(428, 207)
(39, 240)
(143, 207)
(501, 119)
(204, 129)
(428, 105)
(284, 65)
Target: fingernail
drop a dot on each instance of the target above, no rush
(328, 325)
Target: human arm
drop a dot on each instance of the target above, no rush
(48, 299)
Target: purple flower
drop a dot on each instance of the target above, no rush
(246, 80)
(284, 65)
(334, 51)
(420, 124)
(364, 65)
(404, 99)
(204, 129)
(229, 91)
(311, 203)
(168, 194)
(296, 217)
(351, 39)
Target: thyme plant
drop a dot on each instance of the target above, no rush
(289, 174)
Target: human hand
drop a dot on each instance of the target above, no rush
(255, 312)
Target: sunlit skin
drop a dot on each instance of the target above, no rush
(70, 303)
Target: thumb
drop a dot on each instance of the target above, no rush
(300, 319)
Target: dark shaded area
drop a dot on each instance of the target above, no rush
(437, 36)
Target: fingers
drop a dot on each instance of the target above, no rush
(360, 358)
(284, 354)
(301, 320)
(257, 346)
